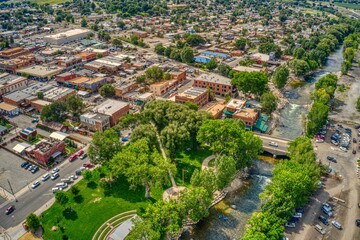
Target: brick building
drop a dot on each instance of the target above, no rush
(114, 109)
(46, 149)
(11, 65)
(199, 96)
(219, 84)
(10, 83)
(13, 52)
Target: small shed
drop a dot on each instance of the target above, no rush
(59, 135)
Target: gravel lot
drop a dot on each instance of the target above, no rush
(10, 170)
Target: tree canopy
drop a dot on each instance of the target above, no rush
(107, 90)
(54, 112)
(251, 82)
(280, 76)
(268, 102)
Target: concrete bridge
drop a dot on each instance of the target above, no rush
(280, 150)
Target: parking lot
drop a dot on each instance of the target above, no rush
(342, 183)
(10, 170)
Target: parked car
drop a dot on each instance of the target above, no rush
(28, 166)
(80, 152)
(73, 157)
(24, 164)
(35, 184)
(290, 225)
(34, 120)
(327, 206)
(336, 224)
(298, 215)
(273, 144)
(88, 165)
(34, 169)
(55, 176)
(320, 229)
(45, 177)
(82, 157)
(10, 210)
(357, 222)
(323, 220)
(55, 170)
(124, 139)
(327, 212)
(331, 159)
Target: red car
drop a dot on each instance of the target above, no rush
(73, 157)
(9, 209)
(81, 152)
(88, 165)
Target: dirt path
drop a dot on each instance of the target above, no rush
(173, 183)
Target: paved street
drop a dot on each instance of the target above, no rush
(33, 199)
(282, 147)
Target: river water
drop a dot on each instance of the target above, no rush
(291, 123)
(246, 200)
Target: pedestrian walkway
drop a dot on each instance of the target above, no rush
(106, 228)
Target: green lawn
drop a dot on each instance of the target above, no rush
(69, 150)
(189, 161)
(36, 139)
(93, 208)
(355, 6)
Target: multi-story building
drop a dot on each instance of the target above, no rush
(218, 84)
(11, 65)
(248, 115)
(13, 52)
(69, 61)
(113, 108)
(46, 149)
(122, 88)
(10, 83)
(199, 96)
(66, 37)
(95, 121)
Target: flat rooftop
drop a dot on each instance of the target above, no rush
(6, 78)
(192, 92)
(214, 78)
(7, 107)
(109, 107)
(41, 71)
(68, 33)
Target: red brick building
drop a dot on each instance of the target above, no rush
(199, 96)
(13, 53)
(218, 84)
(45, 149)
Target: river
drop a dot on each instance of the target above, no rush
(246, 200)
(291, 123)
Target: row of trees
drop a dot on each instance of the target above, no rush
(324, 91)
(182, 53)
(315, 50)
(351, 44)
(292, 184)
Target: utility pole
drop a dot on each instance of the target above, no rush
(12, 191)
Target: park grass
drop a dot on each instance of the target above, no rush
(355, 6)
(93, 208)
(187, 162)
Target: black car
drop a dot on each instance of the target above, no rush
(24, 164)
(323, 220)
(34, 169)
(357, 222)
(331, 159)
(357, 126)
(9, 209)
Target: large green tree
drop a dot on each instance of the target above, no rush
(263, 226)
(75, 105)
(196, 202)
(225, 169)
(54, 112)
(154, 74)
(141, 166)
(33, 221)
(107, 90)
(104, 146)
(280, 76)
(251, 82)
(268, 102)
(300, 67)
(229, 137)
(316, 118)
(240, 44)
(187, 55)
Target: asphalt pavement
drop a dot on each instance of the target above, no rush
(33, 199)
(282, 143)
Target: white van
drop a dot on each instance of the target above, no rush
(55, 189)
(320, 229)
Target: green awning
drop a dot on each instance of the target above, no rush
(227, 112)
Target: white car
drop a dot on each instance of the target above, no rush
(45, 177)
(55, 176)
(273, 144)
(336, 224)
(55, 170)
(35, 184)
